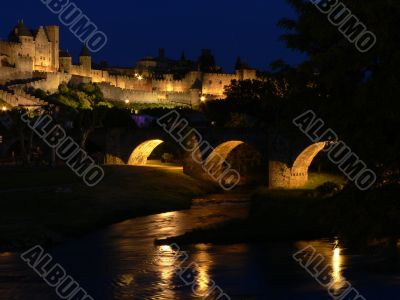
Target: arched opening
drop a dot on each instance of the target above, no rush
(299, 171)
(238, 156)
(216, 161)
(142, 152)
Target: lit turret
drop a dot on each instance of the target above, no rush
(85, 59)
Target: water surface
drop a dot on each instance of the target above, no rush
(121, 262)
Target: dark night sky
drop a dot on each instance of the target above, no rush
(138, 28)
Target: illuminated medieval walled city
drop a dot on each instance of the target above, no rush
(35, 56)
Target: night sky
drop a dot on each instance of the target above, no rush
(138, 28)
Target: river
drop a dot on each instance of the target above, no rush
(121, 262)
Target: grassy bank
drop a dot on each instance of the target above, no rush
(48, 205)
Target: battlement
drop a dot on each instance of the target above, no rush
(20, 98)
(220, 74)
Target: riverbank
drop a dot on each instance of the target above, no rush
(358, 219)
(46, 206)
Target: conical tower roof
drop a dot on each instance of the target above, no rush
(19, 30)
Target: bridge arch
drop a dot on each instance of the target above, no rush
(240, 156)
(223, 150)
(142, 152)
(283, 176)
(299, 170)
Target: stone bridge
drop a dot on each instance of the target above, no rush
(286, 160)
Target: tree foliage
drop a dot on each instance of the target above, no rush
(361, 89)
(84, 104)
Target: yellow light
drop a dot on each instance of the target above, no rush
(127, 101)
(203, 98)
(338, 280)
(140, 77)
(4, 108)
(142, 152)
(165, 248)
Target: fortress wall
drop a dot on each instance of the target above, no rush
(99, 75)
(51, 81)
(170, 85)
(7, 74)
(20, 98)
(8, 49)
(249, 74)
(24, 63)
(118, 94)
(128, 82)
(214, 84)
(80, 71)
(25, 49)
(8, 98)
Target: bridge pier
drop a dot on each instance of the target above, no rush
(283, 177)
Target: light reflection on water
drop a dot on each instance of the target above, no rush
(203, 265)
(333, 256)
(337, 265)
(166, 261)
(122, 263)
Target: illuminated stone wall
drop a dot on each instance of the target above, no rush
(283, 176)
(142, 152)
(279, 175)
(42, 49)
(41, 53)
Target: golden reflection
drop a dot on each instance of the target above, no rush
(333, 257)
(168, 214)
(203, 278)
(166, 263)
(165, 248)
(168, 224)
(338, 280)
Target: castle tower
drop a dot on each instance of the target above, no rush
(21, 34)
(65, 61)
(85, 59)
(53, 33)
(25, 55)
(244, 72)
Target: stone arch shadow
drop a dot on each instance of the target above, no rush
(212, 164)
